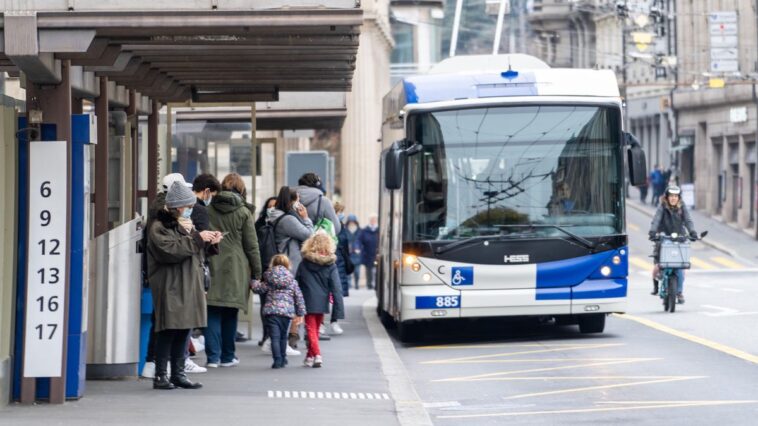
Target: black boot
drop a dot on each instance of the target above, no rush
(655, 288)
(179, 378)
(161, 380)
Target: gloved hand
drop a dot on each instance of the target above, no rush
(651, 235)
(693, 235)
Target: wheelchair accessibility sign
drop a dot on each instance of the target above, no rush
(462, 275)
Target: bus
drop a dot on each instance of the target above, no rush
(502, 194)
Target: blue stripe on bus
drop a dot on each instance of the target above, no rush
(590, 289)
(570, 272)
(446, 87)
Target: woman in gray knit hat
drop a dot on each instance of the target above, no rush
(176, 254)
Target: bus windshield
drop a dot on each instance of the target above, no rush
(485, 171)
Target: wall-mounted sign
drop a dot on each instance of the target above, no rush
(738, 114)
(724, 38)
(46, 271)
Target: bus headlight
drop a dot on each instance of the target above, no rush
(605, 270)
(410, 259)
(416, 267)
(616, 260)
(427, 277)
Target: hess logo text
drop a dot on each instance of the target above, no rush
(516, 258)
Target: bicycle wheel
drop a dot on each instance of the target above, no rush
(663, 283)
(671, 293)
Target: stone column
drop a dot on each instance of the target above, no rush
(360, 147)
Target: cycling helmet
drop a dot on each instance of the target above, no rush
(673, 190)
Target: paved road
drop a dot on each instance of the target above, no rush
(696, 366)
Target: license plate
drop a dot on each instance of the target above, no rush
(438, 302)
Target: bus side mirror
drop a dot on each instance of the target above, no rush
(635, 161)
(393, 168)
(394, 164)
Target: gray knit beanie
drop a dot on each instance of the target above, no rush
(180, 196)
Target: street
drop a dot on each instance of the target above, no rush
(697, 366)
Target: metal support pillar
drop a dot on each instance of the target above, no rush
(133, 120)
(55, 103)
(101, 160)
(253, 153)
(152, 150)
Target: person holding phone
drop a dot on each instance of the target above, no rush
(238, 262)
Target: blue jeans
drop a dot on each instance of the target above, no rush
(680, 281)
(220, 334)
(278, 327)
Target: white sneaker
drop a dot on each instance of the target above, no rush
(266, 348)
(336, 329)
(292, 352)
(318, 361)
(233, 363)
(191, 367)
(322, 329)
(148, 371)
(211, 365)
(308, 361)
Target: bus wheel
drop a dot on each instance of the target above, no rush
(408, 331)
(592, 323)
(387, 321)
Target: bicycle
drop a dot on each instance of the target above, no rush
(673, 255)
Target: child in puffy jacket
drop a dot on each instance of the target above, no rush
(284, 303)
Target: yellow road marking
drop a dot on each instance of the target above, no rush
(501, 345)
(633, 227)
(532, 360)
(729, 263)
(617, 385)
(695, 339)
(640, 263)
(557, 378)
(495, 376)
(504, 354)
(651, 406)
(700, 263)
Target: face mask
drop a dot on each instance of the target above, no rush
(187, 213)
(341, 217)
(352, 228)
(208, 201)
(270, 211)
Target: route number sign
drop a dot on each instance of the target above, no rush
(46, 255)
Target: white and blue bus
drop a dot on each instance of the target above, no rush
(502, 194)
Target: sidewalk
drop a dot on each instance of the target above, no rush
(721, 236)
(349, 389)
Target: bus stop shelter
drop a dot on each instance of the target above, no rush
(140, 55)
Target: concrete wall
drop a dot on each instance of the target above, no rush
(8, 170)
(362, 129)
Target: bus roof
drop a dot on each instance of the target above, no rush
(477, 79)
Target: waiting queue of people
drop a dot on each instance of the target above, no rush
(203, 259)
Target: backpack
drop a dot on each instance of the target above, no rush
(267, 242)
(324, 224)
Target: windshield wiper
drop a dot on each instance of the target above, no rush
(581, 240)
(467, 241)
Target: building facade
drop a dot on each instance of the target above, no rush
(716, 111)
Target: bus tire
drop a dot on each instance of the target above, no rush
(591, 323)
(387, 321)
(408, 331)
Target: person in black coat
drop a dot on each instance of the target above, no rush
(368, 241)
(318, 277)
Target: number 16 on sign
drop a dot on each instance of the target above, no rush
(46, 256)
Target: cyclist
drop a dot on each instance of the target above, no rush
(671, 216)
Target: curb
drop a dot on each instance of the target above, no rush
(709, 243)
(408, 406)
